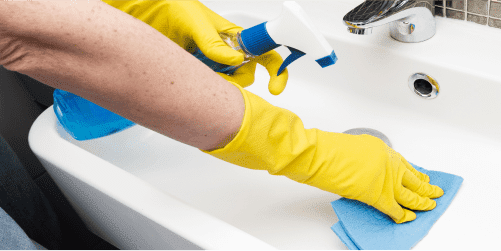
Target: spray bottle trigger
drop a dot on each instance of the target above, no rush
(295, 54)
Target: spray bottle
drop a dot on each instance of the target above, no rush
(292, 29)
(85, 120)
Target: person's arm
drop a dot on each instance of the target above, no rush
(120, 63)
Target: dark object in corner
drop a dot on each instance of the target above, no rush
(22, 199)
(39, 92)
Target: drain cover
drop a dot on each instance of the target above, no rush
(369, 131)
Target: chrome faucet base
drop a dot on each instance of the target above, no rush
(414, 29)
(410, 20)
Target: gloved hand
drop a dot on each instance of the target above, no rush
(191, 24)
(359, 167)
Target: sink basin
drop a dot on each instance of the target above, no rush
(138, 189)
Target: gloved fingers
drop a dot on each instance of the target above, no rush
(417, 173)
(210, 43)
(215, 48)
(244, 76)
(413, 201)
(420, 187)
(272, 62)
(396, 212)
(408, 216)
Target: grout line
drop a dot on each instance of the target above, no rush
(466, 10)
(488, 11)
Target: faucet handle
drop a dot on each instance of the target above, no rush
(405, 28)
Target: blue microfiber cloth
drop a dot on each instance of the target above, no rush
(362, 226)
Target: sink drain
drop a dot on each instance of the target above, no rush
(424, 85)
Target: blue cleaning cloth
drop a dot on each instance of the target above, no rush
(362, 226)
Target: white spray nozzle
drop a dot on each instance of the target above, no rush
(292, 29)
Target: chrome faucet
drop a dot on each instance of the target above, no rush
(410, 21)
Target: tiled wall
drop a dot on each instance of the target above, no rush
(483, 12)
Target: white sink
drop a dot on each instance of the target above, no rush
(138, 189)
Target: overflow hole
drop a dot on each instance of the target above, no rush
(423, 86)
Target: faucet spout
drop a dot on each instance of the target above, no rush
(410, 21)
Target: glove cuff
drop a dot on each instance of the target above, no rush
(242, 132)
(271, 138)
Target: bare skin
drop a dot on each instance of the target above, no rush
(120, 63)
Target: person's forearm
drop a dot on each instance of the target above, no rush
(122, 64)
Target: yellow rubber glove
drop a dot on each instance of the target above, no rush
(359, 167)
(191, 24)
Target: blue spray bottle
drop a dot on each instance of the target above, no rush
(85, 120)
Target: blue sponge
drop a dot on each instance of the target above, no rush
(362, 226)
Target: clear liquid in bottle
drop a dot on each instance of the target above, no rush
(232, 40)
